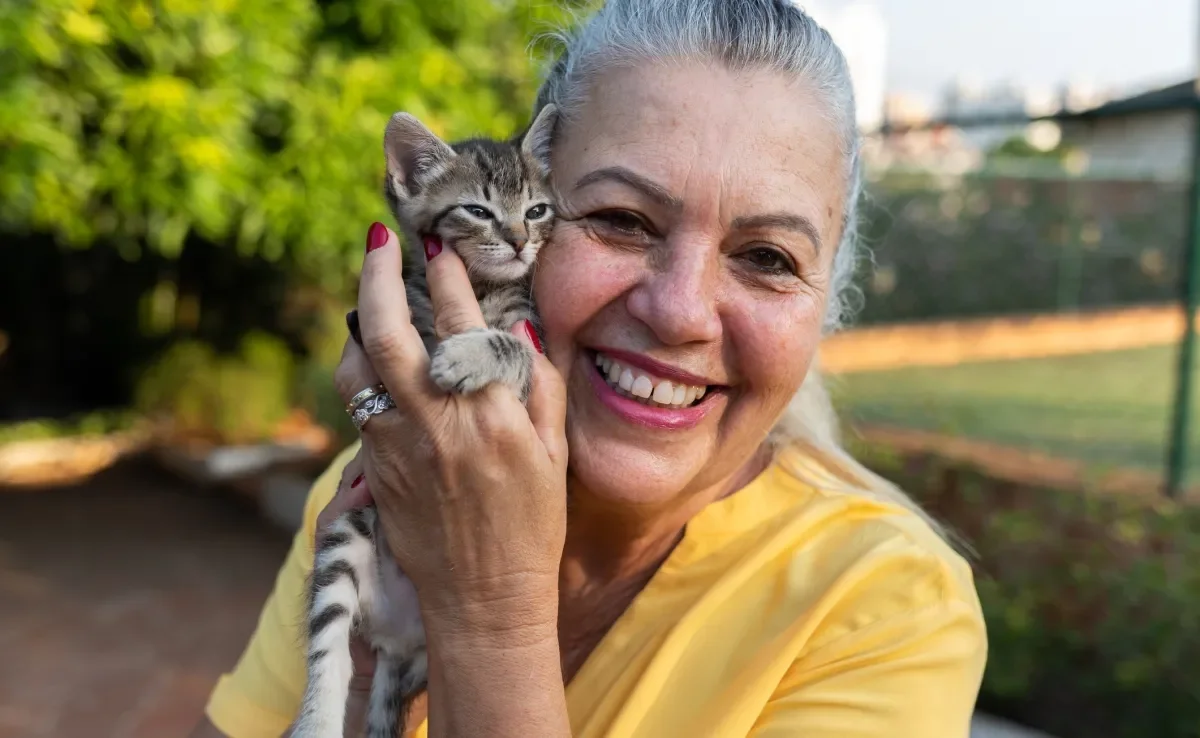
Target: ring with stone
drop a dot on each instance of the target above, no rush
(362, 397)
(371, 406)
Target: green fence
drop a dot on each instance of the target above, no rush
(1025, 236)
(986, 244)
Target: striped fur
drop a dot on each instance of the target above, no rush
(356, 586)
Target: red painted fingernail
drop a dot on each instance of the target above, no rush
(433, 247)
(357, 481)
(529, 331)
(377, 235)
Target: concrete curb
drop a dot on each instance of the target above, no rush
(985, 726)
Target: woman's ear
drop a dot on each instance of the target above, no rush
(414, 154)
(540, 135)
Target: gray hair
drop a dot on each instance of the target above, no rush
(773, 35)
(741, 34)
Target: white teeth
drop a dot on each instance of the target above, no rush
(646, 388)
(626, 380)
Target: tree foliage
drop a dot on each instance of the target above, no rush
(254, 124)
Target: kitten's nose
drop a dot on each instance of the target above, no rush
(518, 237)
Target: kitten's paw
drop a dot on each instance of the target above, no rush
(468, 362)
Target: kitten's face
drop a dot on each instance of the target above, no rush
(493, 208)
(489, 201)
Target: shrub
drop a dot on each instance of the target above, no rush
(1092, 602)
(227, 399)
(98, 423)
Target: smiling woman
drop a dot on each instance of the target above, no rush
(724, 567)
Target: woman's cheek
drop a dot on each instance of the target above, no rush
(775, 341)
(576, 279)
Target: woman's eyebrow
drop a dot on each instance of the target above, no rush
(647, 187)
(786, 221)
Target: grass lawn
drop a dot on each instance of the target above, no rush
(1109, 409)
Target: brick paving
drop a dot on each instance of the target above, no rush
(121, 602)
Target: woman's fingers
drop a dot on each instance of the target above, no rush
(354, 373)
(392, 345)
(352, 493)
(455, 308)
(547, 402)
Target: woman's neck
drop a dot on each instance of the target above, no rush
(611, 553)
(607, 541)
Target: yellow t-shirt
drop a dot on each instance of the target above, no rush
(786, 610)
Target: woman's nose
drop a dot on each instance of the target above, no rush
(677, 298)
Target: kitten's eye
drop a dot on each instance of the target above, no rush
(769, 260)
(478, 212)
(536, 212)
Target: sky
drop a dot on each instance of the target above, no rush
(1129, 44)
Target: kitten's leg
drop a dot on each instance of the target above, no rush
(399, 634)
(387, 703)
(413, 679)
(396, 683)
(468, 362)
(344, 573)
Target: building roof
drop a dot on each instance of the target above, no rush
(1181, 96)
(1176, 97)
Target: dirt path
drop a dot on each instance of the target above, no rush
(121, 602)
(950, 342)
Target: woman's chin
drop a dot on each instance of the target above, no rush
(613, 472)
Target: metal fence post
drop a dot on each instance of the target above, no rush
(1177, 459)
(1070, 257)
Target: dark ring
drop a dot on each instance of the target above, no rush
(352, 324)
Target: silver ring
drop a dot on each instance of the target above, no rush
(362, 397)
(372, 406)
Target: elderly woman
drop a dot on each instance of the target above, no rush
(718, 569)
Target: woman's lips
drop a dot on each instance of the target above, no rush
(646, 399)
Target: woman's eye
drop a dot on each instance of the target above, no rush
(536, 212)
(769, 260)
(622, 221)
(477, 211)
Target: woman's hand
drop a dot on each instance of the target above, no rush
(471, 490)
(471, 494)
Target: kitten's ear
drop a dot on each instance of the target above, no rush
(414, 153)
(538, 138)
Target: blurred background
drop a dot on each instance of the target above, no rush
(184, 186)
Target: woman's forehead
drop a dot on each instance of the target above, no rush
(756, 136)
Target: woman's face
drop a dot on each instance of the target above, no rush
(700, 213)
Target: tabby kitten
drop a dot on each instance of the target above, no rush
(490, 202)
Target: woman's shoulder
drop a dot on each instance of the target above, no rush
(865, 557)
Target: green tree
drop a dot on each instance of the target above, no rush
(253, 124)
(200, 170)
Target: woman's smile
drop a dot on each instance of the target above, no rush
(647, 392)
